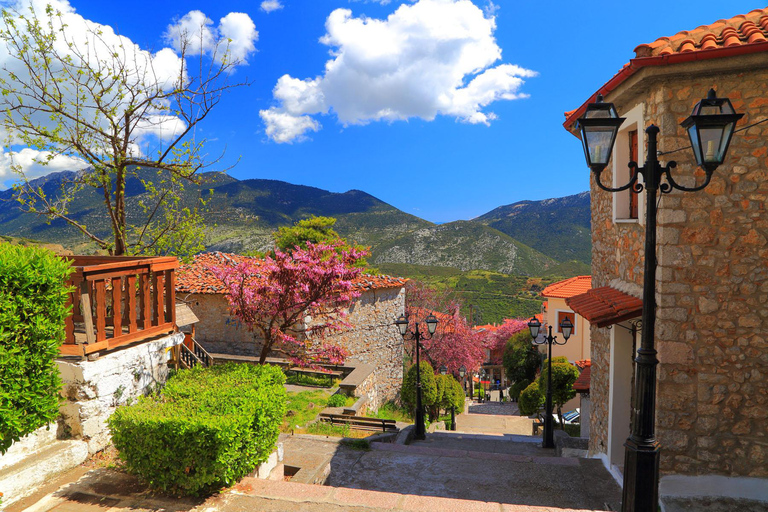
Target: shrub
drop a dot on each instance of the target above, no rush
(428, 386)
(564, 374)
(337, 400)
(33, 309)
(208, 428)
(516, 388)
(531, 399)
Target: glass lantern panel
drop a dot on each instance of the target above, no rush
(709, 110)
(599, 142)
(598, 113)
(711, 143)
(727, 131)
(693, 134)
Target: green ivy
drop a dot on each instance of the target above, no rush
(33, 309)
(209, 428)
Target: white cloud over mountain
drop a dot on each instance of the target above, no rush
(429, 58)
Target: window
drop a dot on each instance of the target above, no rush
(627, 205)
(570, 315)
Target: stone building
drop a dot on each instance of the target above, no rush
(372, 338)
(712, 278)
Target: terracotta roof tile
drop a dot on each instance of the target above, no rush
(743, 29)
(582, 383)
(568, 288)
(605, 306)
(197, 277)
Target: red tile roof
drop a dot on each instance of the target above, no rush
(583, 363)
(197, 277)
(742, 34)
(568, 288)
(740, 30)
(582, 383)
(605, 306)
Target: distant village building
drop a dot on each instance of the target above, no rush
(373, 338)
(712, 280)
(578, 346)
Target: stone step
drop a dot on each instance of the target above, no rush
(22, 478)
(272, 496)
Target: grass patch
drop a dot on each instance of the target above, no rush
(391, 411)
(303, 407)
(357, 444)
(318, 381)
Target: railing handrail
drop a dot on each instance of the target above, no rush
(135, 293)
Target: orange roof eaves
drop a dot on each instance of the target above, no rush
(568, 287)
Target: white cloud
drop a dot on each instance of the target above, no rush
(236, 33)
(36, 163)
(430, 58)
(271, 5)
(491, 8)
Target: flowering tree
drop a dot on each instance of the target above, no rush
(454, 343)
(293, 300)
(496, 341)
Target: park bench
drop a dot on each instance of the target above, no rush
(360, 422)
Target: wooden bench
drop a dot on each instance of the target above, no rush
(360, 422)
(538, 423)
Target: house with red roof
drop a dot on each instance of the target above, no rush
(711, 282)
(557, 310)
(372, 338)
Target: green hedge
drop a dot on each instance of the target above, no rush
(208, 428)
(531, 399)
(32, 312)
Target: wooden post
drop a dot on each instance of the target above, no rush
(157, 285)
(85, 308)
(146, 302)
(117, 310)
(130, 302)
(101, 310)
(170, 296)
(69, 323)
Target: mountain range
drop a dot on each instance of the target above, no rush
(529, 237)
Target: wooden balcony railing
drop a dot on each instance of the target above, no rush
(119, 300)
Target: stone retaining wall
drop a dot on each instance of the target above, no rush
(93, 389)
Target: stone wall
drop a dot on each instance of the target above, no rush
(373, 338)
(712, 278)
(93, 389)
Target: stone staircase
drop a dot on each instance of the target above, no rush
(36, 459)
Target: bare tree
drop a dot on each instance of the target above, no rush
(97, 97)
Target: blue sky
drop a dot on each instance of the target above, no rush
(442, 169)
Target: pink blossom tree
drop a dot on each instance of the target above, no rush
(293, 300)
(454, 343)
(496, 341)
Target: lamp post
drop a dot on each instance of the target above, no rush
(462, 374)
(417, 336)
(566, 326)
(710, 128)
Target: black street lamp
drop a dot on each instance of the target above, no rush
(416, 335)
(462, 374)
(566, 326)
(710, 128)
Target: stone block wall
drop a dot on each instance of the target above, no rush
(218, 331)
(93, 389)
(712, 280)
(375, 340)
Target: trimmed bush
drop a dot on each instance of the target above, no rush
(516, 388)
(337, 400)
(33, 309)
(429, 390)
(531, 399)
(209, 428)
